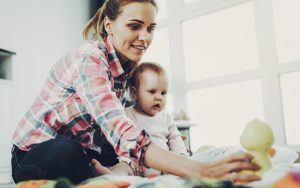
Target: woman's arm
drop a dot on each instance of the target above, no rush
(93, 84)
(228, 169)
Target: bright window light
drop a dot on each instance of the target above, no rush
(189, 1)
(158, 52)
(220, 43)
(169, 105)
(290, 89)
(287, 28)
(222, 112)
(162, 9)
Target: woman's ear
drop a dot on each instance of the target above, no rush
(133, 93)
(107, 25)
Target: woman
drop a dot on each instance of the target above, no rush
(80, 105)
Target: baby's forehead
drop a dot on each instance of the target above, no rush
(154, 83)
(153, 75)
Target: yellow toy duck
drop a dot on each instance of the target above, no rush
(257, 138)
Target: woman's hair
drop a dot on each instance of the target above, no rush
(134, 80)
(94, 29)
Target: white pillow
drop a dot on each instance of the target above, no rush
(284, 155)
(212, 154)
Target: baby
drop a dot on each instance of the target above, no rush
(148, 88)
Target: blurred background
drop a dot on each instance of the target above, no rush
(230, 61)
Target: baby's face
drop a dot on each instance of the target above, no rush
(152, 92)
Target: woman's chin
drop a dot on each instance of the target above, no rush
(136, 56)
(136, 59)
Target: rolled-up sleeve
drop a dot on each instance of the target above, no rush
(94, 87)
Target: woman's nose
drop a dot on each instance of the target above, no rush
(144, 36)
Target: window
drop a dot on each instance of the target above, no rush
(287, 28)
(169, 105)
(225, 56)
(162, 9)
(189, 1)
(158, 51)
(221, 112)
(291, 105)
(220, 43)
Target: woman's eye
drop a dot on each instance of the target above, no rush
(134, 26)
(151, 29)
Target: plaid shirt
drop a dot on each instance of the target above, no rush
(83, 92)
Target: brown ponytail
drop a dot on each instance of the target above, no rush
(94, 29)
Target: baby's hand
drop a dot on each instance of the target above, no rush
(99, 169)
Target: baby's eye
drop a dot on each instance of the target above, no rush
(151, 91)
(164, 92)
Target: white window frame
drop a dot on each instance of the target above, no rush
(269, 69)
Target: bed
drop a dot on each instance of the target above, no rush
(284, 174)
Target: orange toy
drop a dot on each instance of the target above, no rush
(107, 185)
(33, 184)
(292, 180)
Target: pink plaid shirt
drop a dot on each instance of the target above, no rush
(83, 92)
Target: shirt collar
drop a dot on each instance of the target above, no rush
(113, 61)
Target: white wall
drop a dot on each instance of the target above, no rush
(39, 31)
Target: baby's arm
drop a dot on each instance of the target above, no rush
(175, 141)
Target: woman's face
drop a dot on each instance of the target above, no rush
(132, 31)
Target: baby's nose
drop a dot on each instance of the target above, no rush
(157, 97)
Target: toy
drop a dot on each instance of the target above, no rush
(291, 180)
(257, 138)
(65, 183)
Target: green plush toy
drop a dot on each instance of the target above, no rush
(257, 138)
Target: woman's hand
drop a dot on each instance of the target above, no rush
(225, 169)
(230, 169)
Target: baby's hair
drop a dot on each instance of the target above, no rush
(134, 80)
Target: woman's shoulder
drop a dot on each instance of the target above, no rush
(92, 47)
(88, 51)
